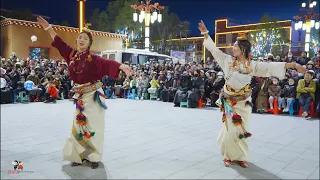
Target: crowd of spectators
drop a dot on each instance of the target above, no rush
(190, 83)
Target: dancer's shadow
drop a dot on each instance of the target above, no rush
(85, 172)
(254, 172)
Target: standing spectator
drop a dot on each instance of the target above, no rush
(261, 101)
(306, 92)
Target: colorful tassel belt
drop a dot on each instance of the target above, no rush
(83, 89)
(246, 88)
(238, 97)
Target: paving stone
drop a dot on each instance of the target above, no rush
(181, 143)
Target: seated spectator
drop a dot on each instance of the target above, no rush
(142, 85)
(274, 91)
(108, 86)
(303, 59)
(52, 93)
(126, 87)
(290, 58)
(306, 92)
(133, 84)
(289, 94)
(162, 79)
(310, 65)
(35, 93)
(166, 94)
(154, 85)
(185, 85)
(119, 83)
(195, 93)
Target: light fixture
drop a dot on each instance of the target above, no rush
(155, 14)
(314, 3)
(147, 19)
(159, 18)
(135, 17)
(147, 32)
(312, 22)
(317, 25)
(143, 13)
(300, 24)
(304, 26)
(307, 38)
(296, 26)
(303, 5)
(311, 5)
(306, 47)
(140, 18)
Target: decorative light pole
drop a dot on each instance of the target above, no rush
(307, 21)
(149, 13)
(81, 14)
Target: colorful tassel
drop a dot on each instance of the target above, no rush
(79, 107)
(92, 134)
(233, 103)
(249, 134)
(83, 123)
(236, 117)
(241, 136)
(78, 121)
(80, 135)
(80, 102)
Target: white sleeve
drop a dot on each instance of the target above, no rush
(224, 60)
(268, 69)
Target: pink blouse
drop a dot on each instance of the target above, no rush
(91, 71)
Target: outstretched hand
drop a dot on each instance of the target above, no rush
(202, 27)
(126, 69)
(43, 22)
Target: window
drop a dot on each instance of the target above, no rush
(105, 56)
(234, 38)
(199, 47)
(142, 59)
(112, 56)
(222, 39)
(38, 53)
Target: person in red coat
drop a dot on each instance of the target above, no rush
(86, 70)
(52, 93)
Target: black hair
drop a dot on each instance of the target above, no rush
(90, 38)
(245, 47)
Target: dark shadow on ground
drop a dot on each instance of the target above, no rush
(254, 172)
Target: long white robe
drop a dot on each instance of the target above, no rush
(233, 148)
(75, 149)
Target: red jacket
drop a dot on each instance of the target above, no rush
(53, 91)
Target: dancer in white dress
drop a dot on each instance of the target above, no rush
(236, 95)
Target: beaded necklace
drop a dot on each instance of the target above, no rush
(76, 60)
(245, 64)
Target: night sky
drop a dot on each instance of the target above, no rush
(191, 10)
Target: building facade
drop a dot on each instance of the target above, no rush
(16, 37)
(227, 31)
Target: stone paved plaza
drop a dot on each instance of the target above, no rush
(150, 139)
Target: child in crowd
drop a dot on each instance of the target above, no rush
(126, 87)
(274, 91)
(154, 85)
(133, 85)
(52, 93)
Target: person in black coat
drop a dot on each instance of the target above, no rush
(289, 92)
(217, 86)
(185, 85)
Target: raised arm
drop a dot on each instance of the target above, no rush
(276, 69)
(224, 60)
(63, 48)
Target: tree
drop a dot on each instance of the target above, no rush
(102, 22)
(267, 36)
(55, 22)
(65, 23)
(113, 11)
(124, 19)
(94, 19)
(314, 42)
